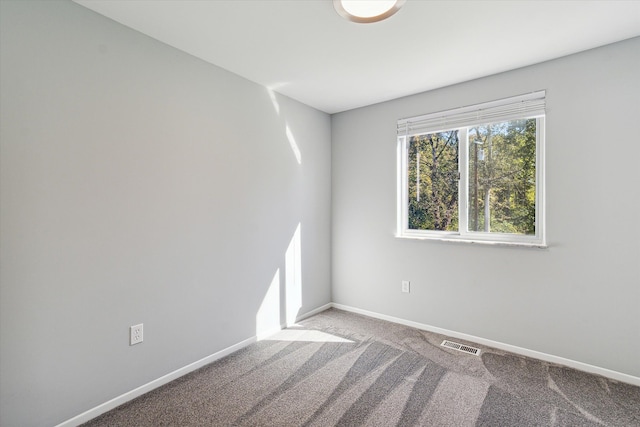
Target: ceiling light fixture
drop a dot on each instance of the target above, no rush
(367, 11)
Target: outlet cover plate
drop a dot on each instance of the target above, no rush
(135, 334)
(406, 286)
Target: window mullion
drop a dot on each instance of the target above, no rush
(463, 182)
(540, 184)
(402, 186)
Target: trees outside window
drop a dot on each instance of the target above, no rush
(482, 181)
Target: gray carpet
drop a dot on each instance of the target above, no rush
(342, 369)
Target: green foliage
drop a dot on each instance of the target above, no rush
(502, 179)
(505, 178)
(433, 198)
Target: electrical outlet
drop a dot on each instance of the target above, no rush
(406, 286)
(135, 334)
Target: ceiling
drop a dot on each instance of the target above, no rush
(305, 50)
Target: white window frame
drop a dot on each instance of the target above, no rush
(519, 107)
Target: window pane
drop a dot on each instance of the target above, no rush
(502, 177)
(433, 181)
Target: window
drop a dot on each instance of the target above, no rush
(474, 174)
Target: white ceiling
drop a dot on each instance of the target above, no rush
(305, 50)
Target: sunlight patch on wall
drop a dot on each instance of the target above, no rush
(268, 316)
(293, 278)
(294, 145)
(292, 141)
(274, 101)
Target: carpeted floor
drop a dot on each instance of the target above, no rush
(343, 369)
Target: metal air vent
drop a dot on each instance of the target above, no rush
(460, 347)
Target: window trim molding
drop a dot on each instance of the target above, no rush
(463, 235)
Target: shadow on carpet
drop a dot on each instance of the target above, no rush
(343, 369)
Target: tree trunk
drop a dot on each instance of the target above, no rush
(475, 188)
(487, 210)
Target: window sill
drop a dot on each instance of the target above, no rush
(455, 239)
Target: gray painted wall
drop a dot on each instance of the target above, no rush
(579, 298)
(139, 184)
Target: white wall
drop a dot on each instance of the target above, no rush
(579, 298)
(140, 184)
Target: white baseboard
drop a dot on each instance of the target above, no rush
(266, 334)
(618, 376)
(130, 395)
(314, 312)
